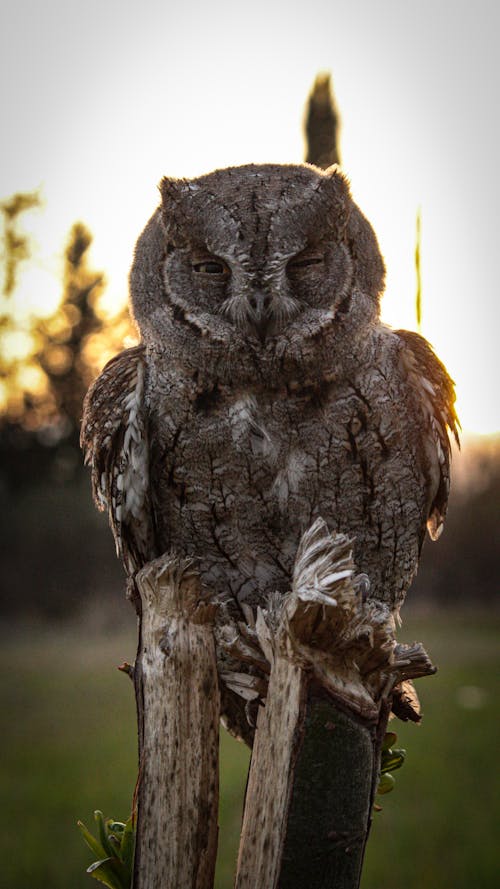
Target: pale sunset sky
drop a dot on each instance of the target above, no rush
(100, 99)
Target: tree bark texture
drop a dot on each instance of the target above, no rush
(178, 706)
(335, 780)
(271, 778)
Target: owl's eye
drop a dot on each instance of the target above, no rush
(211, 266)
(303, 261)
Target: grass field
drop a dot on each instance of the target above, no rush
(68, 742)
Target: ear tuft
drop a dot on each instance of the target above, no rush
(336, 185)
(171, 191)
(335, 172)
(173, 208)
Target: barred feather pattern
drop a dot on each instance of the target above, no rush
(115, 443)
(435, 394)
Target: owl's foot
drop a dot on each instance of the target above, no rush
(329, 627)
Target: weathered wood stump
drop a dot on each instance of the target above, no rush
(316, 758)
(178, 709)
(332, 664)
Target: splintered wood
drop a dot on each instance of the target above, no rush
(271, 777)
(178, 705)
(316, 758)
(321, 664)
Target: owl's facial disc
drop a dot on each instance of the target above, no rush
(264, 298)
(239, 298)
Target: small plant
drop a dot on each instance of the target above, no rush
(392, 758)
(114, 848)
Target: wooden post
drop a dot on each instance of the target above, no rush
(316, 758)
(178, 707)
(322, 124)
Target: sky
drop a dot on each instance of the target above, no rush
(99, 100)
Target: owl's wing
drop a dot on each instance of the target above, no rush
(435, 393)
(114, 438)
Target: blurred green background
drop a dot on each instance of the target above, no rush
(69, 746)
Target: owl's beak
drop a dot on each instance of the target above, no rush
(260, 313)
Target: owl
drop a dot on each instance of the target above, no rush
(266, 392)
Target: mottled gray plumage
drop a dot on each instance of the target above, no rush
(266, 392)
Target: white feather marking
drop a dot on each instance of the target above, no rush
(427, 385)
(435, 525)
(288, 479)
(134, 478)
(103, 487)
(245, 422)
(337, 575)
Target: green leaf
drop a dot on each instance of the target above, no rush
(110, 872)
(101, 871)
(115, 843)
(92, 867)
(93, 844)
(103, 834)
(115, 851)
(386, 784)
(392, 760)
(389, 740)
(128, 847)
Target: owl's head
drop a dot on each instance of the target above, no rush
(256, 255)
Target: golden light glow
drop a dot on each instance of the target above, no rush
(58, 359)
(14, 402)
(17, 345)
(109, 305)
(4, 395)
(37, 294)
(60, 325)
(31, 378)
(101, 346)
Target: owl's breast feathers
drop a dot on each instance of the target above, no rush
(374, 459)
(114, 438)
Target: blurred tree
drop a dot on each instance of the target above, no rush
(322, 124)
(16, 246)
(47, 363)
